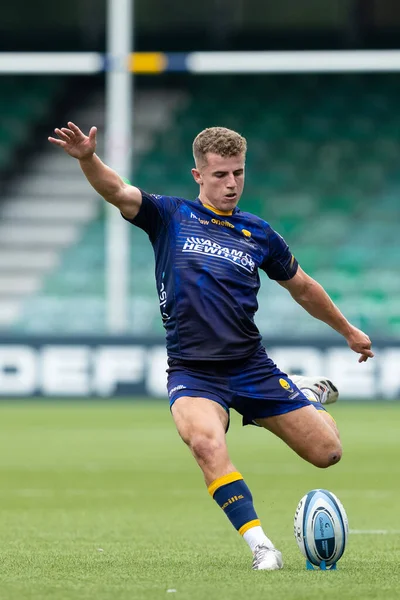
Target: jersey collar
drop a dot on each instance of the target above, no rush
(221, 213)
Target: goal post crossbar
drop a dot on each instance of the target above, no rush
(153, 63)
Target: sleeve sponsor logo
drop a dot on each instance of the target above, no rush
(198, 245)
(163, 303)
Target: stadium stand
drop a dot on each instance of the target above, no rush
(24, 104)
(322, 169)
(52, 229)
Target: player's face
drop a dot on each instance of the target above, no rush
(221, 181)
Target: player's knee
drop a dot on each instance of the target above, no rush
(206, 448)
(328, 456)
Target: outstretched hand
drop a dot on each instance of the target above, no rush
(74, 142)
(359, 342)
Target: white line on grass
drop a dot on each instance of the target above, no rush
(374, 531)
(51, 492)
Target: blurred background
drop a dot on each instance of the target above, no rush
(322, 168)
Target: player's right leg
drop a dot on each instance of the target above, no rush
(202, 424)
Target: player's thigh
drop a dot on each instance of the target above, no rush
(202, 423)
(199, 417)
(308, 434)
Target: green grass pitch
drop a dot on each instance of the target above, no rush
(103, 501)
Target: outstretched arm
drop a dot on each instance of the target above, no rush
(312, 297)
(105, 181)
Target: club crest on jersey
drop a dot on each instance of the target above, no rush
(198, 245)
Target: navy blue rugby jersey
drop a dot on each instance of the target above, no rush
(207, 275)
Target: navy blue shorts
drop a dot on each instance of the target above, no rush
(254, 386)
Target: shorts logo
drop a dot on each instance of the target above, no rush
(177, 388)
(286, 385)
(197, 245)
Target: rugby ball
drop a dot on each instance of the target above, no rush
(321, 527)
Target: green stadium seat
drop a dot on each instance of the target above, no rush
(23, 102)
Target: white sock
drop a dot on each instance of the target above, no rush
(310, 395)
(256, 536)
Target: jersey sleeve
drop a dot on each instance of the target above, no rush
(154, 214)
(279, 263)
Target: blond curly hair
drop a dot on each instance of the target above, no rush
(218, 140)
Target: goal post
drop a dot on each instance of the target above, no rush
(118, 138)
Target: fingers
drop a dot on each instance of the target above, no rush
(92, 133)
(75, 128)
(68, 132)
(71, 138)
(365, 355)
(364, 358)
(360, 342)
(57, 142)
(364, 349)
(62, 135)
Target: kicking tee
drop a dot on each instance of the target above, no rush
(207, 276)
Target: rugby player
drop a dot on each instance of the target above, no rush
(208, 254)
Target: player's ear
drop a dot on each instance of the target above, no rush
(197, 176)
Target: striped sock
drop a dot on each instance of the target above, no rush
(235, 499)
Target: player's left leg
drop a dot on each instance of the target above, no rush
(266, 396)
(309, 432)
